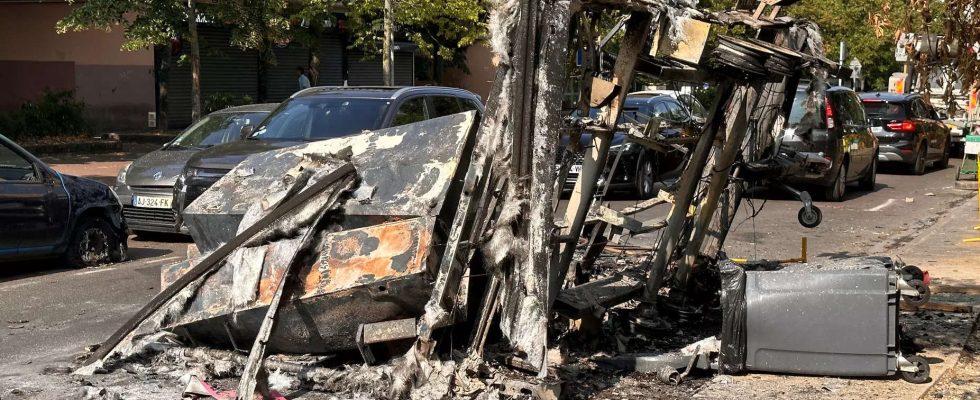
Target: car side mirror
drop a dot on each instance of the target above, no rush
(942, 115)
(246, 131)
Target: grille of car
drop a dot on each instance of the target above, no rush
(151, 217)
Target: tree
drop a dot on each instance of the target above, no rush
(146, 24)
(956, 21)
(257, 25)
(858, 24)
(441, 29)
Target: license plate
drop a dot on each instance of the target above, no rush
(575, 169)
(152, 202)
(877, 129)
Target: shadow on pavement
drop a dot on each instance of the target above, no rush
(15, 270)
(160, 237)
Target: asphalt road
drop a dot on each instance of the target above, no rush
(875, 222)
(49, 314)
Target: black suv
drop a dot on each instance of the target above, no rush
(48, 214)
(640, 169)
(322, 113)
(830, 131)
(908, 129)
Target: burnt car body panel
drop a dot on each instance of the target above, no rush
(40, 214)
(378, 266)
(206, 167)
(828, 147)
(888, 110)
(155, 174)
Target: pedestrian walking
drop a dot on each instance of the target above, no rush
(304, 82)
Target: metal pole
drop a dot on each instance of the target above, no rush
(843, 50)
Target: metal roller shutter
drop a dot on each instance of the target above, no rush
(224, 69)
(331, 60)
(368, 72)
(404, 68)
(282, 76)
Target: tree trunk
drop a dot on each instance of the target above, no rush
(195, 61)
(266, 59)
(313, 64)
(438, 65)
(389, 37)
(163, 62)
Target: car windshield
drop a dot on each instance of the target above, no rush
(217, 128)
(881, 110)
(318, 118)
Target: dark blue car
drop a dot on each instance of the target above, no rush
(44, 213)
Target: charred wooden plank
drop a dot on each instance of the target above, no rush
(581, 300)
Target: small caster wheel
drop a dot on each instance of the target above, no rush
(810, 217)
(921, 375)
(921, 298)
(913, 272)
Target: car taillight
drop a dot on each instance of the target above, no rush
(829, 113)
(903, 126)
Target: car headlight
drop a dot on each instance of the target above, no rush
(206, 173)
(121, 177)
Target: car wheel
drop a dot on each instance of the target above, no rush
(944, 162)
(94, 242)
(918, 167)
(868, 181)
(646, 178)
(836, 190)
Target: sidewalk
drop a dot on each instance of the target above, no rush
(938, 249)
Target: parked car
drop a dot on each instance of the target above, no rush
(321, 113)
(908, 129)
(640, 169)
(833, 134)
(49, 214)
(146, 186)
(688, 101)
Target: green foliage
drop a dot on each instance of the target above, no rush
(145, 23)
(255, 24)
(437, 27)
(220, 101)
(865, 25)
(56, 113)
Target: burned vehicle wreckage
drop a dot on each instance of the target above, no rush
(428, 250)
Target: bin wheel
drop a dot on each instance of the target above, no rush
(923, 296)
(810, 217)
(921, 375)
(915, 272)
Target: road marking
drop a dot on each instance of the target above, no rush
(93, 270)
(149, 262)
(882, 205)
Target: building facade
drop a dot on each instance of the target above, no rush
(120, 88)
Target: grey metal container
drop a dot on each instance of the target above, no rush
(838, 322)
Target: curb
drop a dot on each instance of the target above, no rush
(85, 147)
(152, 138)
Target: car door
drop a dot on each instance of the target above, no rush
(33, 205)
(937, 136)
(865, 144)
(925, 126)
(849, 129)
